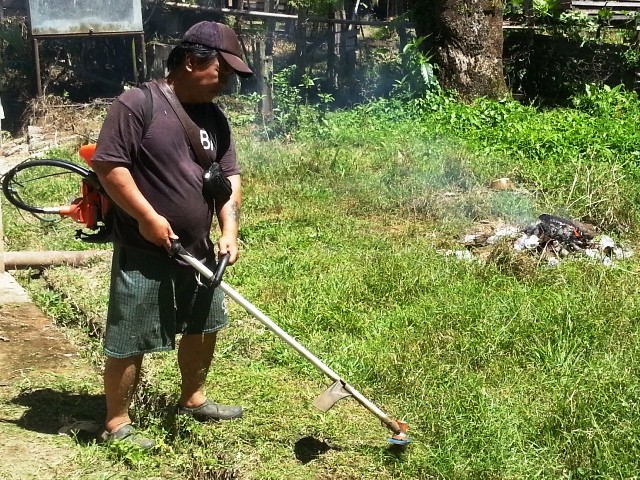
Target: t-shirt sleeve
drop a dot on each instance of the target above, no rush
(121, 133)
(229, 160)
(226, 155)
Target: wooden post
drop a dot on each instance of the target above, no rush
(347, 48)
(355, 10)
(301, 45)
(143, 48)
(340, 32)
(527, 11)
(134, 60)
(263, 65)
(1, 228)
(332, 54)
(36, 53)
(269, 7)
(401, 30)
(1, 118)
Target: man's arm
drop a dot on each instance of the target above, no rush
(122, 189)
(229, 220)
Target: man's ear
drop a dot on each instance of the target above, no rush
(188, 63)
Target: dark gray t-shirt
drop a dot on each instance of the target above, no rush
(164, 166)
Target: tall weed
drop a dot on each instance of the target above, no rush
(582, 162)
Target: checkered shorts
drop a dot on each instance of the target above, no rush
(152, 299)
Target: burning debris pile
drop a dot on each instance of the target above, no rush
(560, 235)
(550, 237)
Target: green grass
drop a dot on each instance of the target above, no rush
(504, 368)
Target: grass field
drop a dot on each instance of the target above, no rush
(504, 367)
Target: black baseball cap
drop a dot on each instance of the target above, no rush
(221, 38)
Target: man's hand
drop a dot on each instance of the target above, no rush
(157, 230)
(229, 244)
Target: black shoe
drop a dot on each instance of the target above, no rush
(127, 434)
(211, 412)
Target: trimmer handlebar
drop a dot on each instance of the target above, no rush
(222, 265)
(212, 279)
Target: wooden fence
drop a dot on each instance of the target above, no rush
(337, 39)
(619, 8)
(621, 11)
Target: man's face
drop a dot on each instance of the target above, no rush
(208, 79)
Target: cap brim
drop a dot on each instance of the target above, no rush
(237, 64)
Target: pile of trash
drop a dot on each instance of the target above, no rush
(551, 237)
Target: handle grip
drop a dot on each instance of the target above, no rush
(220, 268)
(212, 279)
(176, 249)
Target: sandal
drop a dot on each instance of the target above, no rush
(127, 434)
(210, 411)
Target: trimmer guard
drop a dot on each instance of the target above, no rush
(331, 396)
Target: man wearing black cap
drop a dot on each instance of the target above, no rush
(148, 166)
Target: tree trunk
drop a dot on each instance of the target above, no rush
(465, 39)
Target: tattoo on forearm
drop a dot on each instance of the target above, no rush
(234, 211)
(231, 211)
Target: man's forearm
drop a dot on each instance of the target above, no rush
(122, 189)
(229, 213)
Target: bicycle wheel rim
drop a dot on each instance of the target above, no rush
(43, 186)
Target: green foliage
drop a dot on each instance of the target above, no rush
(557, 18)
(631, 58)
(546, 8)
(16, 65)
(12, 44)
(419, 72)
(291, 103)
(607, 101)
(317, 7)
(245, 108)
(583, 160)
(576, 25)
(127, 453)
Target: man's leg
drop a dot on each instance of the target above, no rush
(194, 358)
(121, 377)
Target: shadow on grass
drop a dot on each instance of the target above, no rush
(49, 410)
(309, 448)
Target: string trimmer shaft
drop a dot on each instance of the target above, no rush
(335, 392)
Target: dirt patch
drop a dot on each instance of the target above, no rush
(33, 351)
(32, 456)
(29, 342)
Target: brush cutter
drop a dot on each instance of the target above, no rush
(338, 390)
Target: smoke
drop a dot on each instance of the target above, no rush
(440, 180)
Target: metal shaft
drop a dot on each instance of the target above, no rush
(293, 343)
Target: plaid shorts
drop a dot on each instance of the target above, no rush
(152, 299)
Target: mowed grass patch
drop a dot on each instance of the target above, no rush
(502, 369)
(434, 326)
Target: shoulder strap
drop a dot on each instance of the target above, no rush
(193, 131)
(147, 111)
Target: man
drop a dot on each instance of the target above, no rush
(150, 171)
